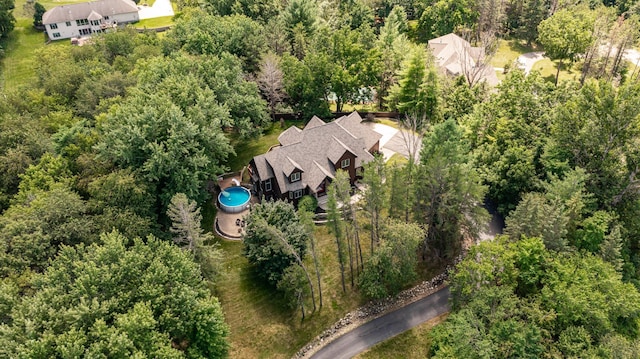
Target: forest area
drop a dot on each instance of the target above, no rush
(106, 242)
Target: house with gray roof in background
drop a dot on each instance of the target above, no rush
(306, 160)
(456, 57)
(85, 19)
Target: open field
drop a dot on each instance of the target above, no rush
(547, 69)
(247, 148)
(408, 345)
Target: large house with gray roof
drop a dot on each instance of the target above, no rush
(306, 160)
(85, 19)
(456, 57)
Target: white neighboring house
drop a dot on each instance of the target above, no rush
(84, 19)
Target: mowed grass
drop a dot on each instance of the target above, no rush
(21, 44)
(508, 51)
(547, 69)
(19, 61)
(155, 22)
(262, 326)
(412, 344)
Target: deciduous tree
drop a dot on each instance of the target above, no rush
(566, 35)
(119, 299)
(269, 226)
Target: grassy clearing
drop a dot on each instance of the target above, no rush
(19, 61)
(350, 107)
(411, 344)
(155, 22)
(547, 69)
(508, 51)
(387, 121)
(261, 325)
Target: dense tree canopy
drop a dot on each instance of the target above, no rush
(517, 299)
(117, 299)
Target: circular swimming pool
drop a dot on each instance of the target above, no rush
(234, 199)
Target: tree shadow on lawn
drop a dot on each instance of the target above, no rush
(267, 297)
(520, 46)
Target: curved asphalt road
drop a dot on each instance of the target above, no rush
(386, 326)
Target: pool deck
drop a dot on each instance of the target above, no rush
(229, 225)
(226, 224)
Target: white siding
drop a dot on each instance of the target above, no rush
(68, 32)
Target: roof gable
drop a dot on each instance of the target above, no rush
(315, 150)
(82, 11)
(290, 136)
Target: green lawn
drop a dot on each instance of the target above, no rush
(547, 69)
(348, 107)
(18, 63)
(508, 51)
(155, 22)
(261, 325)
(408, 345)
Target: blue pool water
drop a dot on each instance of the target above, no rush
(233, 199)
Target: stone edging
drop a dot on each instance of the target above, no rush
(375, 309)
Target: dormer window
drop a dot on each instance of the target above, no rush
(345, 163)
(295, 176)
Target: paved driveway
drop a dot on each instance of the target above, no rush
(393, 141)
(386, 326)
(526, 61)
(160, 8)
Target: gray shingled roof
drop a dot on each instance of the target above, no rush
(290, 136)
(451, 50)
(313, 149)
(73, 12)
(352, 123)
(314, 122)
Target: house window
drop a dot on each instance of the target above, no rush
(345, 163)
(295, 176)
(85, 31)
(106, 18)
(95, 22)
(56, 35)
(267, 185)
(82, 22)
(53, 26)
(68, 23)
(295, 194)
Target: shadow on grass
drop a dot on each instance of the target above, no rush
(251, 282)
(521, 47)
